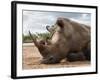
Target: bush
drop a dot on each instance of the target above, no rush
(27, 38)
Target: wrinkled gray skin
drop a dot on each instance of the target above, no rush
(68, 37)
(80, 56)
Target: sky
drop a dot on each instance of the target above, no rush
(36, 21)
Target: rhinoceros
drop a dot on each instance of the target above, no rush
(70, 40)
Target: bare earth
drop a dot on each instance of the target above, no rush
(31, 59)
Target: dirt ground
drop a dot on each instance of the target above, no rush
(31, 59)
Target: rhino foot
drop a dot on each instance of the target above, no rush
(87, 54)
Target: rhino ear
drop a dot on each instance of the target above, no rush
(60, 22)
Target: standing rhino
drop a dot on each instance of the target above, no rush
(68, 37)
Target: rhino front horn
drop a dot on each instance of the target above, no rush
(41, 47)
(33, 39)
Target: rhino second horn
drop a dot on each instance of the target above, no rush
(48, 28)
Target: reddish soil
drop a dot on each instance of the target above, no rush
(32, 57)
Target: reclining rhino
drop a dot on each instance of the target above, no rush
(69, 37)
(80, 56)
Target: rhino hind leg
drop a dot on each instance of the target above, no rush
(87, 54)
(71, 57)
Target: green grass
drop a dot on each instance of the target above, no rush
(27, 39)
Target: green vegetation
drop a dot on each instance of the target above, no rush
(27, 38)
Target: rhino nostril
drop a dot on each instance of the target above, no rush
(42, 42)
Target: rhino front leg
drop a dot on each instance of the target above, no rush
(50, 60)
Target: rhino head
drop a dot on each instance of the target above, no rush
(46, 52)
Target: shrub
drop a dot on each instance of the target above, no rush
(27, 39)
